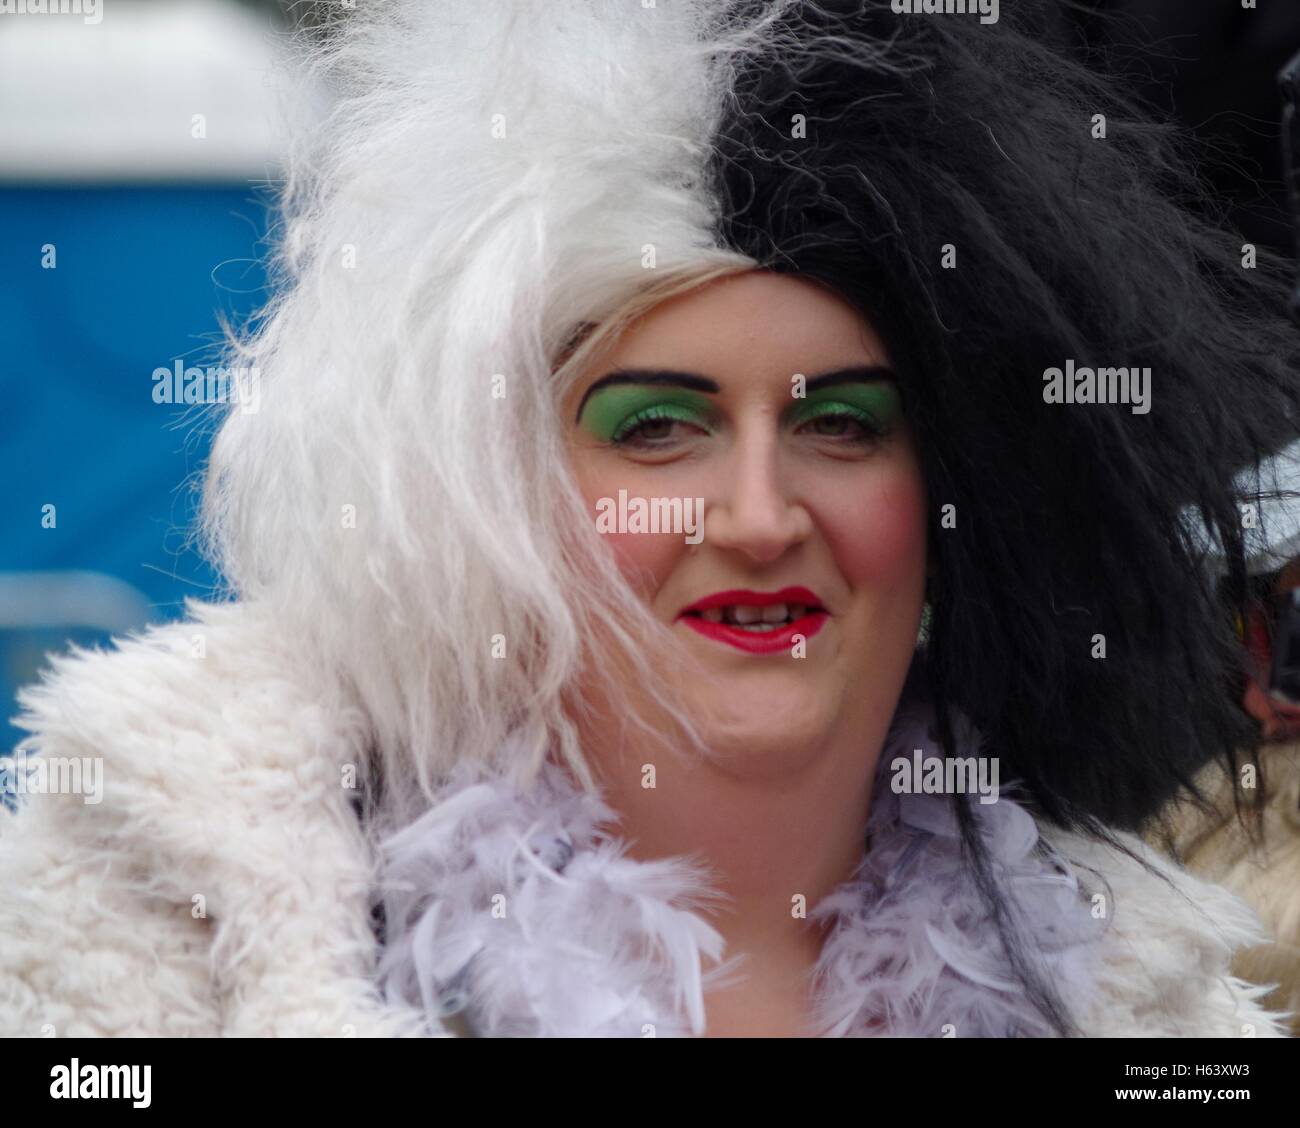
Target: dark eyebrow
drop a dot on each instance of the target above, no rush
(860, 374)
(650, 376)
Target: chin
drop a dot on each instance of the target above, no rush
(774, 727)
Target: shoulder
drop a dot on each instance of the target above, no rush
(1263, 868)
(1166, 953)
(224, 662)
(206, 718)
(219, 882)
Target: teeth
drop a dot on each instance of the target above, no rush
(769, 618)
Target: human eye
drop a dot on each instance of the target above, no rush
(860, 416)
(646, 418)
(656, 426)
(844, 422)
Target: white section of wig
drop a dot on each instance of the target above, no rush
(428, 246)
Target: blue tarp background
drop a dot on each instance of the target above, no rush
(142, 275)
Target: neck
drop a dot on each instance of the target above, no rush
(776, 843)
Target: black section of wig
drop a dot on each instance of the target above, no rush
(929, 132)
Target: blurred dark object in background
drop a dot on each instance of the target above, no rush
(1272, 638)
(1214, 66)
(1290, 82)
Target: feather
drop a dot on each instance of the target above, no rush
(522, 908)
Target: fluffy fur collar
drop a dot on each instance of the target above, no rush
(224, 886)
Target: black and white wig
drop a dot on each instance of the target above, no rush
(500, 186)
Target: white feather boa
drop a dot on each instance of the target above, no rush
(521, 914)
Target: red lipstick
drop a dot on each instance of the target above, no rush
(757, 642)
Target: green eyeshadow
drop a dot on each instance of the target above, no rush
(878, 403)
(613, 410)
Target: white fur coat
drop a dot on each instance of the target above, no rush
(223, 885)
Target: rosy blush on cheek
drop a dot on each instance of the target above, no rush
(875, 530)
(646, 560)
(639, 557)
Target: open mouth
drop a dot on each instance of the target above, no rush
(757, 622)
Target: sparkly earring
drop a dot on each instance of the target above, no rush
(927, 615)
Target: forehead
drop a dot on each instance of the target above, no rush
(746, 325)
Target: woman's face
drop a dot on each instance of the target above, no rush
(772, 400)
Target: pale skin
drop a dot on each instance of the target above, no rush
(778, 810)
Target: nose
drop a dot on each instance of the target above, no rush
(753, 510)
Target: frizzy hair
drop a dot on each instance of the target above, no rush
(1074, 523)
(452, 244)
(501, 173)
(1070, 520)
